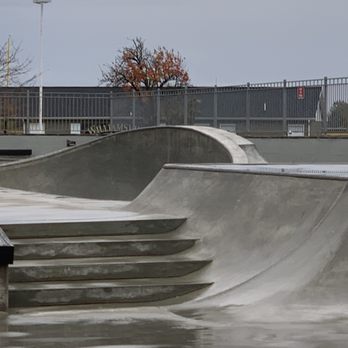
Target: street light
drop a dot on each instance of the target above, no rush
(41, 3)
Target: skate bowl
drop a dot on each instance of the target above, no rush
(119, 166)
(273, 234)
(198, 235)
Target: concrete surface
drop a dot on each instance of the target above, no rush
(269, 236)
(277, 238)
(3, 288)
(102, 268)
(80, 251)
(158, 328)
(273, 150)
(302, 150)
(24, 213)
(119, 166)
(62, 248)
(97, 293)
(41, 144)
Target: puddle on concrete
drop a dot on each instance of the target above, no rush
(158, 328)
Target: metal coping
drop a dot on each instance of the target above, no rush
(299, 171)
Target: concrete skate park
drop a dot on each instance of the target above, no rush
(172, 236)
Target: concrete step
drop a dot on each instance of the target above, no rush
(47, 248)
(102, 269)
(81, 293)
(130, 260)
(124, 226)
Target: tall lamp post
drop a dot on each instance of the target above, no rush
(41, 3)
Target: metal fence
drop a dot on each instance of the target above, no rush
(287, 108)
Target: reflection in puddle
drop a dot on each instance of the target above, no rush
(112, 333)
(153, 328)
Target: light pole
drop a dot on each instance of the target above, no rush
(41, 3)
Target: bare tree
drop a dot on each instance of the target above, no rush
(14, 70)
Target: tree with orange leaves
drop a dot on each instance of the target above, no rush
(136, 67)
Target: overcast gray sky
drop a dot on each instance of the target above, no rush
(224, 41)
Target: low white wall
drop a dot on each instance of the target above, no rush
(302, 150)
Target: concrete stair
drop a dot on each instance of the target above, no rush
(128, 262)
(108, 246)
(82, 293)
(94, 228)
(102, 269)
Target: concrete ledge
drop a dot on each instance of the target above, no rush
(134, 225)
(117, 292)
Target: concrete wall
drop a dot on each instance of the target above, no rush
(302, 150)
(274, 150)
(41, 144)
(115, 167)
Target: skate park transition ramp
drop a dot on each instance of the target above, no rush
(246, 234)
(273, 233)
(119, 166)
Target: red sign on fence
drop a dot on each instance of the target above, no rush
(300, 93)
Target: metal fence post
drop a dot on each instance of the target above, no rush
(247, 108)
(111, 110)
(158, 107)
(185, 106)
(319, 97)
(215, 120)
(133, 109)
(285, 108)
(27, 124)
(324, 114)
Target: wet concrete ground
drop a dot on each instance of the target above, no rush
(18, 206)
(157, 327)
(281, 327)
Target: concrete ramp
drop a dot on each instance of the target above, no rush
(241, 234)
(269, 236)
(120, 166)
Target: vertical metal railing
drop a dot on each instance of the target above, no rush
(301, 108)
(284, 107)
(247, 108)
(324, 109)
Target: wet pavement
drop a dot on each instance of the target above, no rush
(18, 206)
(250, 326)
(157, 327)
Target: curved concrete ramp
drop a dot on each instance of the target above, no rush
(269, 236)
(120, 166)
